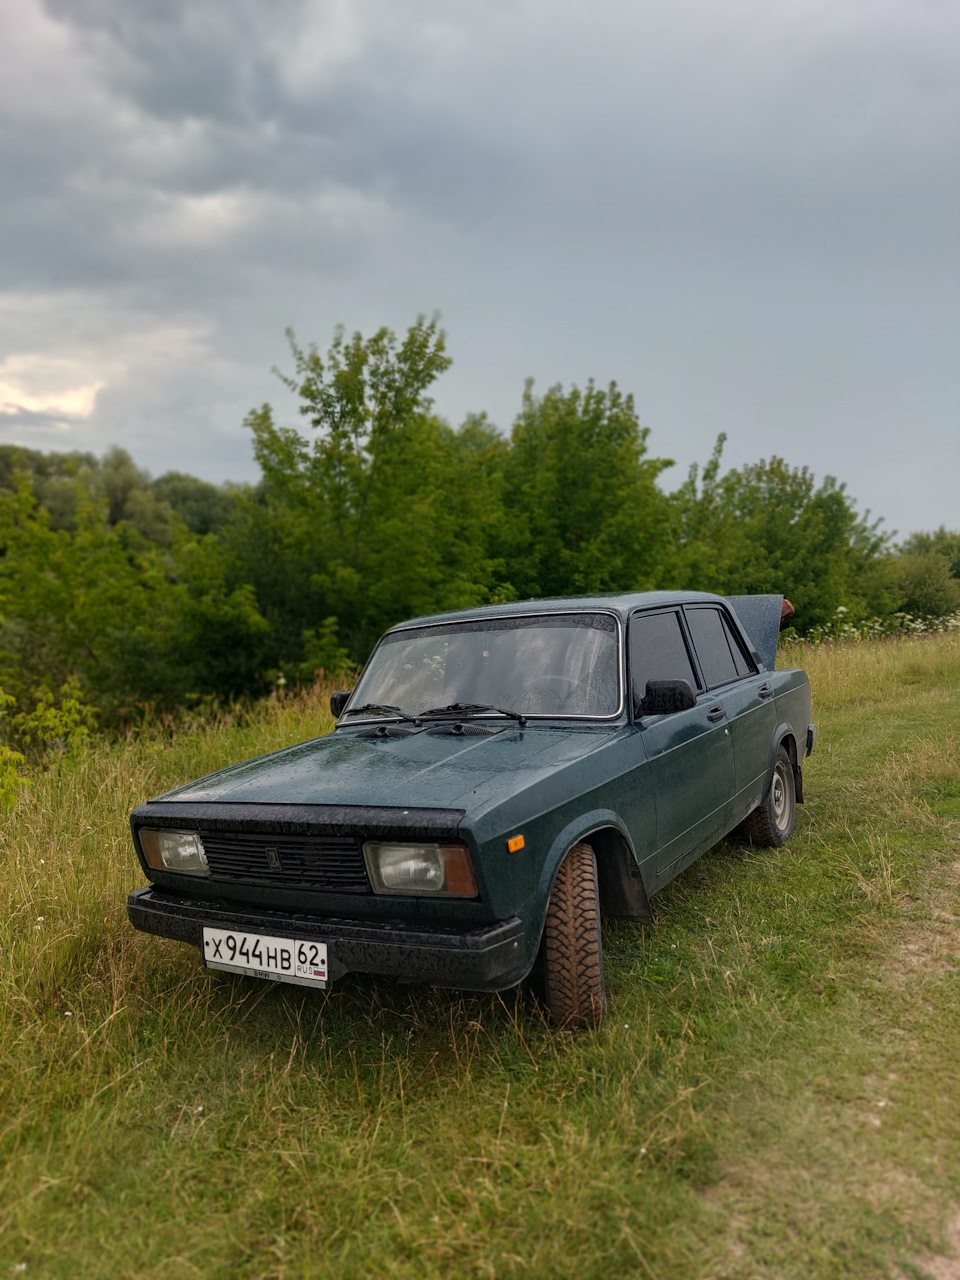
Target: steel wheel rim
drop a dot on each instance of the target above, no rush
(778, 797)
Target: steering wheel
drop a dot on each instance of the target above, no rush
(559, 687)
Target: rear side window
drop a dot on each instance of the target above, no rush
(721, 659)
(658, 651)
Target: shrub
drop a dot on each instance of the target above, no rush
(927, 585)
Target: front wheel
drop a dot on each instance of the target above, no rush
(572, 949)
(772, 822)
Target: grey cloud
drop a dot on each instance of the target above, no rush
(181, 60)
(718, 205)
(592, 128)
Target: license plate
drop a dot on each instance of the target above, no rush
(278, 959)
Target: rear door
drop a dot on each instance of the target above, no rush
(689, 753)
(744, 693)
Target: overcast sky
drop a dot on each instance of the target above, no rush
(747, 214)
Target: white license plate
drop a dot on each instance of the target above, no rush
(279, 959)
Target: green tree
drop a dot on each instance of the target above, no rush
(130, 499)
(709, 537)
(53, 477)
(203, 507)
(102, 616)
(769, 527)
(927, 585)
(383, 514)
(582, 510)
(943, 541)
(63, 482)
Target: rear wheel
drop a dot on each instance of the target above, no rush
(772, 822)
(572, 949)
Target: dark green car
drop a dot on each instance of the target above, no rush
(499, 780)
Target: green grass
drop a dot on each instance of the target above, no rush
(773, 1094)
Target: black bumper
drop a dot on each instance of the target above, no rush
(490, 958)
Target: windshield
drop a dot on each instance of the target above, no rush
(564, 664)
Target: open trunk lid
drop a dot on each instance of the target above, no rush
(760, 616)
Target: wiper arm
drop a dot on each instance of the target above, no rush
(457, 708)
(383, 706)
(453, 709)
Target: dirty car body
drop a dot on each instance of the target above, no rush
(482, 754)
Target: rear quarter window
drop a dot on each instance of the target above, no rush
(743, 664)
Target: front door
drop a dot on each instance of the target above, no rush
(689, 753)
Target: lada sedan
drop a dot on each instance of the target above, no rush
(499, 780)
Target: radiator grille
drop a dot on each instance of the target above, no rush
(331, 864)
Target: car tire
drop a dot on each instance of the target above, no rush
(771, 823)
(572, 950)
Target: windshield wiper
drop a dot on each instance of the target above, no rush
(383, 706)
(457, 708)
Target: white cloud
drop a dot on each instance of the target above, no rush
(94, 372)
(32, 383)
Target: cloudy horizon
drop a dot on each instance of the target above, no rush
(745, 215)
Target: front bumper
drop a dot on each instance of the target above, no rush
(489, 958)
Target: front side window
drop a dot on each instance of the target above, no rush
(564, 664)
(658, 651)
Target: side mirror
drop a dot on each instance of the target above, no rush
(338, 701)
(663, 697)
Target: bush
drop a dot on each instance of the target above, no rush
(927, 585)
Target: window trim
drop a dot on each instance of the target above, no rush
(737, 635)
(413, 625)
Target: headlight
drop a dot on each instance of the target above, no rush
(174, 851)
(437, 870)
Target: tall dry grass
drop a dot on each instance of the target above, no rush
(851, 674)
(157, 1119)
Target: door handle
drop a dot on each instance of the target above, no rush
(765, 691)
(715, 714)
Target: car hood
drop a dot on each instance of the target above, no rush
(424, 770)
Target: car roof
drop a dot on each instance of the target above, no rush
(622, 605)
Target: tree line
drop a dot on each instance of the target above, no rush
(122, 595)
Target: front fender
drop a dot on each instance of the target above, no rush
(580, 828)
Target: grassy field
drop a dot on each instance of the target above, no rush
(773, 1095)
